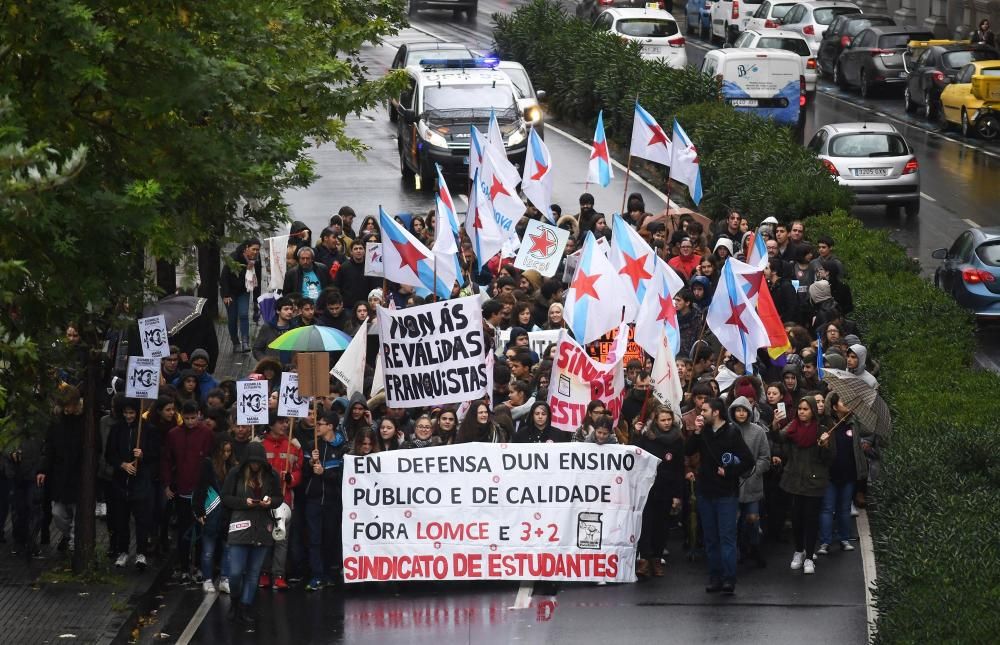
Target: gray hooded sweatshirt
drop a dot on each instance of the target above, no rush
(755, 437)
(862, 353)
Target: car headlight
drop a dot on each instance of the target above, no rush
(433, 138)
(517, 137)
(533, 114)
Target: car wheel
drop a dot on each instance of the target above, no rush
(929, 110)
(988, 126)
(966, 129)
(913, 209)
(838, 76)
(908, 101)
(866, 89)
(942, 120)
(892, 210)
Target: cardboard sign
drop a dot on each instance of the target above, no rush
(314, 373)
(373, 260)
(142, 380)
(290, 402)
(541, 248)
(251, 403)
(598, 350)
(153, 337)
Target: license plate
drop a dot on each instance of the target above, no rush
(652, 50)
(744, 102)
(871, 172)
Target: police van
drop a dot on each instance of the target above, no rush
(767, 82)
(444, 99)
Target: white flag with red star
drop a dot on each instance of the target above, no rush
(407, 261)
(593, 302)
(536, 183)
(649, 141)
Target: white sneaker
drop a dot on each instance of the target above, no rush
(122, 560)
(824, 549)
(808, 567)
(101, 510)
(208, 587)
(797, 560)
(224, 585)
(140, 562)
(846, 546)
(854, 510)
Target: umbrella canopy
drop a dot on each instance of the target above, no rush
(864, 400)
(311, 338)
(177, 311)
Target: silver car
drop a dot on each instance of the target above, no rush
(873, 160)
(812, 18)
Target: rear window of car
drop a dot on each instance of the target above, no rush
(989, 253)
(646, 28)
(779, 10)
(868, 144)
(825, 15)
(459, 53)
(990, 71)
(899, 41)
(796, 45)
(954, 60)
(854, 27)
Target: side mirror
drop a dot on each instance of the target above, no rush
(540, 95)
(409, 116)
(940, 254)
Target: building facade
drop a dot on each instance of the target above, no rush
(946, 18)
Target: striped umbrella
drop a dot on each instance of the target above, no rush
(864, 400)
(311, 338)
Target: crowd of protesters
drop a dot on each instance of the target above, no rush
(773, 456)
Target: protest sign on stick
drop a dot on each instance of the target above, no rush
(143, 378)
(251, 403)
(576, 380)
(290, 402)
(153, 337)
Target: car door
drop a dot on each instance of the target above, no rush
(923, 72)
(829, 47)
(852, 58)
(954, 94)
(958, 256)
(407, 132)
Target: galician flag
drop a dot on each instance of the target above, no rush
(751, 280)
(593, 302)
(657, 315)
(407, 261)
(485, 235)
(599, 170)
(537, 180)
(733, 320)
(664, 379)
(477, 147)
(684, 166)
(445, 245)
(496, 141)
(757, 253)
(649, 141)
(505, 203)
(635, 262)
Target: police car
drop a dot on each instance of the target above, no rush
(444, 99)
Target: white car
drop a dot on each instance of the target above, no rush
(769, 14)
(730, 18)
(655, 29)
(787, 40)
(527, 96)
(812, 18)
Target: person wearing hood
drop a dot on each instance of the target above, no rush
(250, 492)
(300, 234)
(199, 370)
(269, 332)
(857, 360)
(850, 464)
(239, 286)
(358, 416)
(752, 485)
(824, 307)
(660, 435)
(723, 249)
(701, 291)
(323, 475)
(537, 427)
(309, 278)
(134, 460)
(791, 378)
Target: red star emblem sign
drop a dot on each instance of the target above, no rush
(635, 269)
(735, 318)
(658, 136)
(409, 256)
(584, 285)
(667, 310)
(497, 188)
(600, 150)
(543, 243)
(542, 168)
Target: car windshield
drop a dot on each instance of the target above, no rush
(868, 144)
(796, 45)
(646, 28)
(479, 97)
(825, 15)
(854, 27)
(991, 71)
(899, 41)
(954, 60)
(989, 253)
(779, 10)
(458, 53)
(520, 80)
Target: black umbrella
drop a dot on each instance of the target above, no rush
(863, 400)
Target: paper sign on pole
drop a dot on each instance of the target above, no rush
(538, 341)
(373, 259)
(541, 248)
(433, 354)
(350, 368)
(290, 402)
(569, 511)
(576, 380)
(251, 403)
(143, 379)
(153, 337)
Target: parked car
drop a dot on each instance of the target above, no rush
(765, 82)
(699, 17)
(470, 7)
(654, 29)
(874, 60)
(590, 9)
(788, 41)
(841, 32)
(970, 271)
(932, 67)
(811, 18)
(729, 19)
(973, 100)
(874, 161)
(412, 53)
(769, 14)
(527, 96)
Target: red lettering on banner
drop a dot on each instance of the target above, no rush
(566, 412)
(453, 532)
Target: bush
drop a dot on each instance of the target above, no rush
(935, 522)
(744, 159)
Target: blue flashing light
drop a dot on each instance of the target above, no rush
(460, 63)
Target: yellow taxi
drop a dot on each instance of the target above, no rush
(972, 101)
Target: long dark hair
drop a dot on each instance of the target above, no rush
(470, 429)
(221, 465)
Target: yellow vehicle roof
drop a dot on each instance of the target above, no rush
(924, 44)
(980, 65)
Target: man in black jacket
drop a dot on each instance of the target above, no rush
(354, 285)
(323, 476)
(308, 278)
(724, 458)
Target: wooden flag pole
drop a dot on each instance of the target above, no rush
(315, 425)
(138, 435)
(288, 454)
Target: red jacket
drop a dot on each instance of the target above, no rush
(183, 453)
(277, 455)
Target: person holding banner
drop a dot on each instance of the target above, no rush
(660, 435)
(323, 477)
(135, 457)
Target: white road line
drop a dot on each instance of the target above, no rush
(523, 599)
(462, 197)
(927, 197)
(636, 178)
(971, 223)
(199, 616)
(868, 564)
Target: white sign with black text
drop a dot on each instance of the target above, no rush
(143, 378)
(153, 337)
(251, 403)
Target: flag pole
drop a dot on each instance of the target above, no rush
(434, 285)
(628, 171)
(288, 454)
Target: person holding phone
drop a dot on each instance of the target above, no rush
(251, 491)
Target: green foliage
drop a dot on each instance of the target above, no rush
(935, 526)
(744, 159)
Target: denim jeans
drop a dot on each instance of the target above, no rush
(324, 537)
(750, 531)
(836, 504)
(719, 516)
(212, 538)
(245, 561)
(239, 310)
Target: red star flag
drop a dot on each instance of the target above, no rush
(593, 302)
(407, 261)
(751, 280)
(505, 204)
(599, 170)
(486, 237)
(537, 180)
(734, 320)
(649, 141)
(657, 315)
(541, 248)
(635, 262)
(664, 379)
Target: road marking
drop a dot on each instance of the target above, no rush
(462, 197)
(868, 564)
(971, 223)
(927, 197)
(636, 178)
(199, 616)
(523, 599)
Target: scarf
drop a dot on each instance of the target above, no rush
(803, 434)
(250, 277)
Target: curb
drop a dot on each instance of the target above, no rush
(141, 602)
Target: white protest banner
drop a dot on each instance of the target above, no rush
(538, 341)
(290, 402)
(277, 262)
(577, 380)
(153, 337)
(143, 378)
(541, 248)
(251, 403)
(433, 354)
(481, 511)
(373, 259)
(350, 368)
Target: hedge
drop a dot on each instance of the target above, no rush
(936, 517)
(745, 160)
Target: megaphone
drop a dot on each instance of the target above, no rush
(281, 514)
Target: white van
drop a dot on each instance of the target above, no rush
(765, 82)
